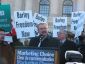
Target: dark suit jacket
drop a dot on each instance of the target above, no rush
(47, 42)
(82, 50)
(67, 45)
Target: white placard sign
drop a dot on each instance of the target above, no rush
(77, 22)
(38, 18)
(24, 25)
(58, 24)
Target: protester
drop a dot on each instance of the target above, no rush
(67, 43)
(62, 36)
(16, 42)
(81, 36)
(43, 40)
(81, 47)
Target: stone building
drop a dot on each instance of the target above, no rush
(49, 8)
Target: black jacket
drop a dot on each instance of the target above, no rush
(67, 45)
(47, 42)
(82, 51)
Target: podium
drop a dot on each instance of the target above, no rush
(33, 55)
(7, 53)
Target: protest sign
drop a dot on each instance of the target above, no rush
(77, 22)
(38, 19)
(5, 17)
(58, 24)
(24, 25)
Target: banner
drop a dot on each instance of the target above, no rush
(24, 25)
(35, 56)
(77, 22)
(38, 19)
(5, 17)
(58, 24)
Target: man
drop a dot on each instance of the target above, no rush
(62, 36)
(81, 47)
(67, 44)
(43, 40)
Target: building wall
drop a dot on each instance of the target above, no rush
(55, 7)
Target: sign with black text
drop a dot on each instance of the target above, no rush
(58, 24)
(35, 56)
(77, 22)
(24, 25)
(38, 18)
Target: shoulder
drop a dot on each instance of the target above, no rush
(33, 38)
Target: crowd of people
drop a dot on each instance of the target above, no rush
(65, 41)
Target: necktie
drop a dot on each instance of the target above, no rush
(39, 42)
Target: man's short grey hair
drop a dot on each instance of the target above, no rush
(62, 31)
(42, 24)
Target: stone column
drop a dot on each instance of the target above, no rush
(55, 10)
(17, 4)
(28, 4)
(54, 7)
(35, 6)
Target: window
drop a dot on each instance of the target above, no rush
(44, 7)
(67, 7)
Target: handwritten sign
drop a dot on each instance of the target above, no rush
(38, 18)
(59, 23)
(24, 25)
(77, 22)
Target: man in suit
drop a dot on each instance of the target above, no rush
(44, 39)
(81, 47)
(66, 44)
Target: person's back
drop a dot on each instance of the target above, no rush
(81, 47)
(67, 45)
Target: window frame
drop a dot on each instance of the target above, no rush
(45, 7)
(66, 3)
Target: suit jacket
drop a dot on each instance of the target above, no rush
(82, 50)
(67, 45)
(47, 42)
